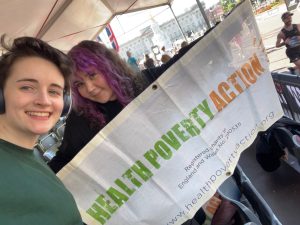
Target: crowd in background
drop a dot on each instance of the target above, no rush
(152, 60)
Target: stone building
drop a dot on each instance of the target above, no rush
(191, 22)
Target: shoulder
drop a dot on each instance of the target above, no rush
(281, 33)
(131, 59)
(140, 83)
(282, 30)
(73, 116)
(77, 121)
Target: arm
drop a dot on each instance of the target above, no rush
(77, 134)
(298, 27)
(278, 41)
(63, 155)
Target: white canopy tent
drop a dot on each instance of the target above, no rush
(63, 23)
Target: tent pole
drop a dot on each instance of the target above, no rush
(181, 31)
(53, 18)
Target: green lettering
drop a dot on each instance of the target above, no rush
(124, 187)
(151, 156)
(117, 196)
(180, 133)
(106, 204)
(171, 140)
(128, 175)
(190, 127)
(205, 108)
(142, 170)
(163, 150)
(98, 213)
(194, 114)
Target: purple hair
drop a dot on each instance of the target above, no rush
(117, 74)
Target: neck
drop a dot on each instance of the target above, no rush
(287, 26)
(18, 138)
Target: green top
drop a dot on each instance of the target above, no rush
(30, 193)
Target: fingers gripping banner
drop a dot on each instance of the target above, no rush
(170, 149)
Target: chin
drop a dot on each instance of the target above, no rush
(101, 101)
(40, 130)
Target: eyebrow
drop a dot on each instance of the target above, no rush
(35, 81)
(76, 81)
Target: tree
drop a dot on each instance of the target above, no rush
(228, 5)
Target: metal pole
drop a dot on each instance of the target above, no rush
(203, 14)
(181, 31)
(51, 21)
(287, 2)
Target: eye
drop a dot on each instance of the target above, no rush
(92, 75)
(54, 92)
(78, 84)
(27, 88)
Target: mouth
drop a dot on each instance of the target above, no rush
(38, 114)
(95, 94)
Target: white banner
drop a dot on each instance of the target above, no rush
(166, 154)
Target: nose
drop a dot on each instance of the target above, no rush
(89, 86)
(42, 98)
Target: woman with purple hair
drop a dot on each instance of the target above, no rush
(102, 86)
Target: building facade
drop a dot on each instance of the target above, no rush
(191, 22)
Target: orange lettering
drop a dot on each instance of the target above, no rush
(248, 72)
(232, 80)
(242, 78)
(257, 67)
(218, 102)
(222, 88)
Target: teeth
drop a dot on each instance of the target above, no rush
(38, 113)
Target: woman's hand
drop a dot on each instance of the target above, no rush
(211, 206)
(287, 41)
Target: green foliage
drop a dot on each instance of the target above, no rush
(228, 5)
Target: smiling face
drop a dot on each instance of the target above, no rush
(94, 87)
(33, 94)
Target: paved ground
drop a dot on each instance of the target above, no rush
(270, 24)
(280, 189)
